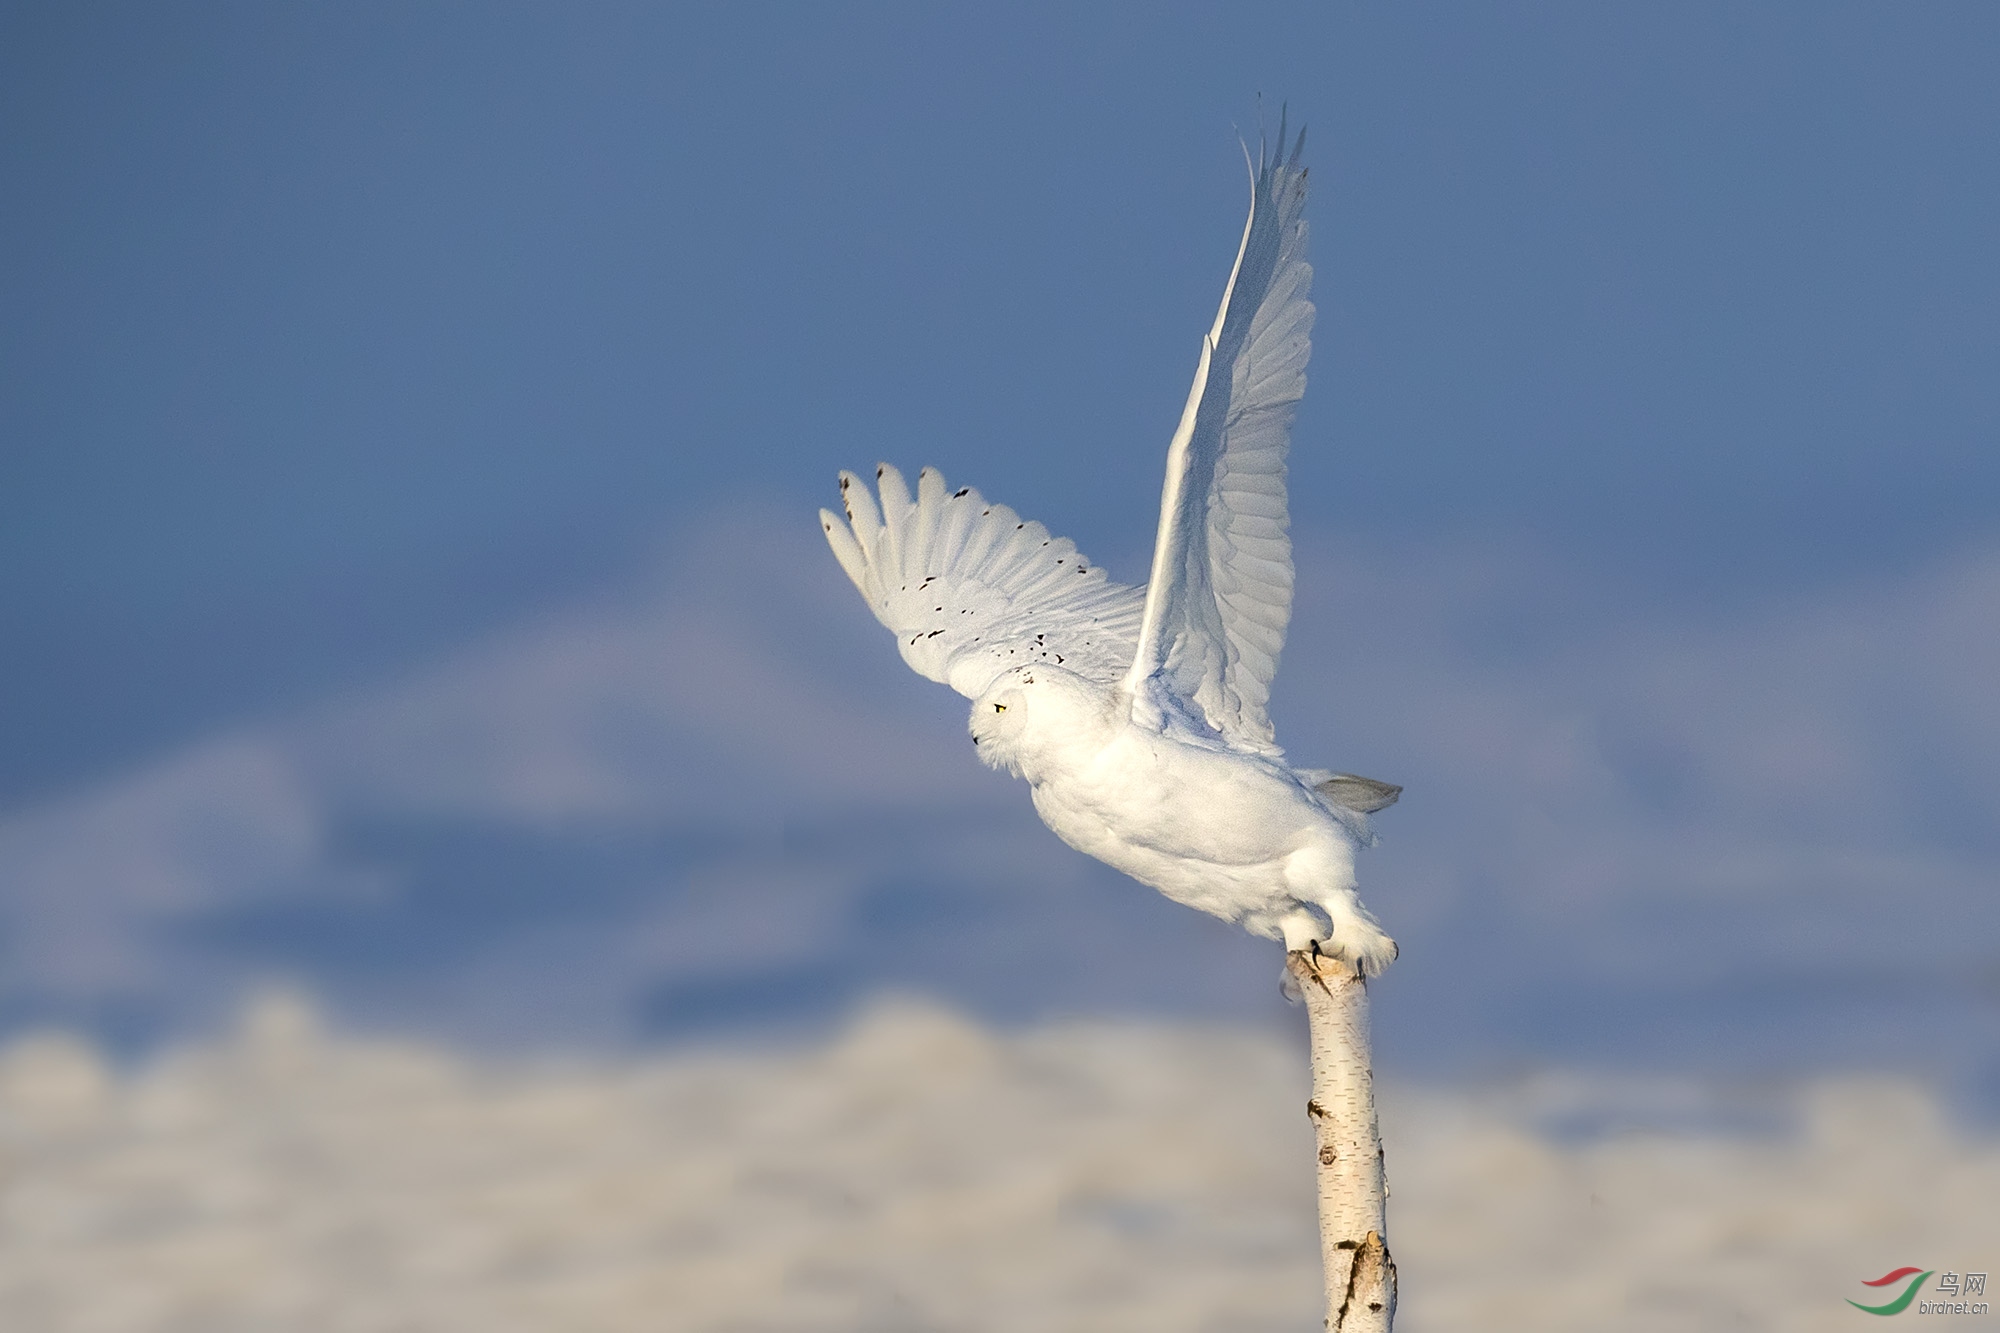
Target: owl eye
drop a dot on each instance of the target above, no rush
(999, 708)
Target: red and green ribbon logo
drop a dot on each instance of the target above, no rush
(1902, 1302)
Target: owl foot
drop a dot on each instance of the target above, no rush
(1362, 944)
(1355, 939)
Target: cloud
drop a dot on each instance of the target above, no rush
(921, 1169)
(713, 796)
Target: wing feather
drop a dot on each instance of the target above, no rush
(930, 512)
(1220, 596)
(971, 589)
(950, 546)
(862, 514)
(896, 508)
(845, 548)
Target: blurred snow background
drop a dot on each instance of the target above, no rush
(410, 430)
(919, 1171)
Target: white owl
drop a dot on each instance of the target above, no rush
(1138, 716)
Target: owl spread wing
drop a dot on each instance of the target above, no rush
(971, 589)
(1220, 596)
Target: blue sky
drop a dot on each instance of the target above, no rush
(348, 348)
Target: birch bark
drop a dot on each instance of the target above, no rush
(1360, 1275)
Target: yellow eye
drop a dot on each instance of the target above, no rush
(999, 708)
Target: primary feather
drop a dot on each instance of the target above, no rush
(1140, 717)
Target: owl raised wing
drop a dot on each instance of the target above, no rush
(971, 589)
(1220, 596)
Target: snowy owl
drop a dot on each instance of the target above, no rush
(1138, 716)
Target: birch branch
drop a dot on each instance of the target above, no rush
(1360, 1275)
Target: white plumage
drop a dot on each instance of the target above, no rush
(1138, 716)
